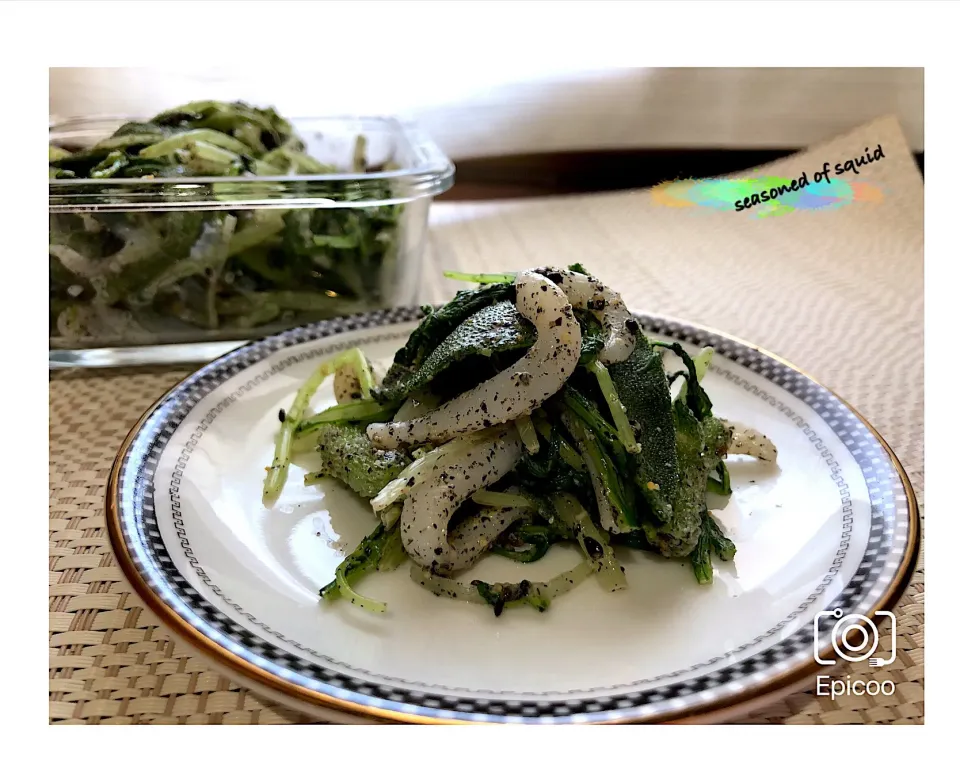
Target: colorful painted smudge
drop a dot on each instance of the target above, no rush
(724, 194)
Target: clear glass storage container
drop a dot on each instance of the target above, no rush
(183, 269)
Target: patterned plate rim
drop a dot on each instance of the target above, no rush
(670, 703)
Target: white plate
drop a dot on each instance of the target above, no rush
(833, 527)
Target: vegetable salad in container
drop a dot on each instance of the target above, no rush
(222, 222)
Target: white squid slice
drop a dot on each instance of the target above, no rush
(529, 382)
(587, 292)
(750, 442)
(472, 537)
(451, 480)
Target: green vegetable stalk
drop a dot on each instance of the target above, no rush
(614, 499)
(226, 272)
(592, 540)
(380, 550)
(277, 471)
(711, 542)
(617, 410)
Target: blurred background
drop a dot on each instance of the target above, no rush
(512, 132)
(538, 130)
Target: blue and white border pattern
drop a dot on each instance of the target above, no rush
(886, 548)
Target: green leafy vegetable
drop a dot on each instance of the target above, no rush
(481, 278)
(277, 471)
(528, 434)
(711, 541)
(365, 410)
(700, 446)
(174, 143)
(643, 390)
(379, 550)
(274, 268)
(529, 542)
(500, 594)
(614, 499)
(590, 415)
(698, 401)
(636, 540)
(701, 363)
(505, 595)
(721, 484)
(348, 455)
(592, 336)
(593, 541)
(492, 329)
(569, 455)
(617, 410)
(549, 468)
(437, 325)
(111, 164)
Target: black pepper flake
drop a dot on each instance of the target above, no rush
(282, 415)
(632, 326)
(594, 550)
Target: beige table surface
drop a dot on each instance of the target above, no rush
(839, 293)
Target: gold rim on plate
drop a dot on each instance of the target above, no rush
(722, 709)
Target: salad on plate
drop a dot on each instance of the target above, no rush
(529, 412)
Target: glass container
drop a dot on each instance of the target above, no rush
(172, 270)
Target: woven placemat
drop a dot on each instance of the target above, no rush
(838, 293)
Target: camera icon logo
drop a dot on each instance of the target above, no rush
(854, 637)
